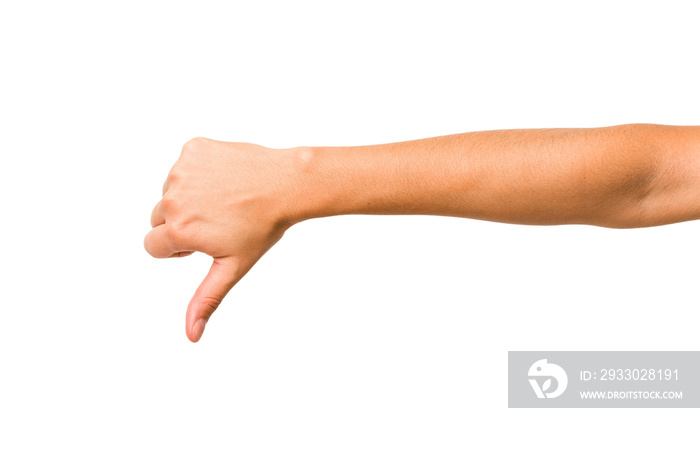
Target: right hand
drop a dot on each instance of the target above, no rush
(228, 200)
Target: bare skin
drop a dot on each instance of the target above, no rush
(234, 201)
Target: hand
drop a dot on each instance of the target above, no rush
(227, 200)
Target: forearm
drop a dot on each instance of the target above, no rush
(599, 176)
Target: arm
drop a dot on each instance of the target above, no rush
(234, 201)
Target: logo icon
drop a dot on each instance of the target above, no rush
(543, 371)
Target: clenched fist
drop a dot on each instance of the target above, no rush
(232, 201)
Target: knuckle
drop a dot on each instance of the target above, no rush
(170, 204)
(176, 173)
(210, 304)
(171, 185)
(175, 176)
(180, 227)
(193, 146)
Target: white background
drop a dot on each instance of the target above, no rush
(355, 340)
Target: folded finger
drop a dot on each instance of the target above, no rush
(159, 242)
(157, 217)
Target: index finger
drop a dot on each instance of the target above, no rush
(160, 243)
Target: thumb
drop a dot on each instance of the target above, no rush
(218, 282)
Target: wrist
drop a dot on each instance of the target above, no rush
(348, 180)
(314, 185)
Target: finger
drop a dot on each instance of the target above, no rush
(172, 174)
(222, 276)
(160, 242)
(157, 217)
